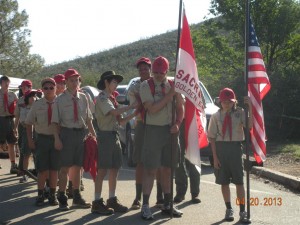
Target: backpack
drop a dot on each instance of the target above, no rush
(151, 84)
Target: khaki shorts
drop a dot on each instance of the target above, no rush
(109, 150)
(157, 148)
(25, 150)
(47, 157)
(230, 156)
(139, 132)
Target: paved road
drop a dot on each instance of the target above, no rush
(17, 204)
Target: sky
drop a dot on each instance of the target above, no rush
(63, 30)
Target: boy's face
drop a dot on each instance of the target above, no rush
(227, 105)
(159, 76)
(5, 84)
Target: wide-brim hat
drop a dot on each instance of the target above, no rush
(107, 75)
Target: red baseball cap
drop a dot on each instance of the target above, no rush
(48, 80)
(70, 73)
(143, 60)
(227, 94)
(59, 78)
(160, 65)
(27, 83)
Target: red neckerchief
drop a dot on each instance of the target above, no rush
(49, 112)
(75, 108)
(5, 101)
(113, 100)
(227, 123)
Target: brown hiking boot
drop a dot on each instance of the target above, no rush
(115, 204)
(99, 207)
(79, 202)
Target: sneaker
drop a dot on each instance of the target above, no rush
(52, 200)
(166, 209)
(79, 202)
(14, 169)
(23, 179)
(136, 204)
(195, 200)
(243, 217)
(63, 202)
(178, 198)
(99, 207)
(146, 212)
(115, 204)
(229, 215)
(159, 203)
(39, 201)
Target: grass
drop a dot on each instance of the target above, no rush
(288, 147)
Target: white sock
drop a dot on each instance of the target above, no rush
(112, 194)
(97, 196)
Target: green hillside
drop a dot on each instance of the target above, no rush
(120, 59)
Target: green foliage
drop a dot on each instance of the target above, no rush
(15, 58)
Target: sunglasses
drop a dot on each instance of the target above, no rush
(48, 88)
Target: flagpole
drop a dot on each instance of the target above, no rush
(174, 141)
(247, 166)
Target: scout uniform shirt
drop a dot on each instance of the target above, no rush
(133, 92)
(67, 106)
(164, 116)
(216, 124)
(20, 106)
(105, 121)
(11, 96)
(23, 114)
(38, 116)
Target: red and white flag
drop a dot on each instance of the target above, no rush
(187, 83)
(258, 87)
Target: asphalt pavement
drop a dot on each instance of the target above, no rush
(270, 205)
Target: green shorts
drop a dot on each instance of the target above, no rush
(72, 152)
(139, 132)
(6, 130)
(25, 150)
(109, 150)
(230, 156)
(157, 148)
(47, 157)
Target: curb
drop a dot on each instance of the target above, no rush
(285, 179)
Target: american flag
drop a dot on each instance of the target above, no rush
(258, 87)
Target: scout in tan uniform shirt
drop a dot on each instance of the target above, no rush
(157, 148)
(47, 157)
(108, 116)
(71, 116)
(225, 133)
(25, 86)
(8, 100)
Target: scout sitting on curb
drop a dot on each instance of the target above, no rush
(71, 116)
(108, 116)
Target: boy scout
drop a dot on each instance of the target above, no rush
(47, 157)
(8, 101)
(157, 142)
(25, 86)
(108, 116)
(71, 116)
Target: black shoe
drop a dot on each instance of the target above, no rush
(63, 202)
(195, 200)
(115, 204)
(14, 169)
(178, 198)
(52, 200)
(159, 203)
(39, 201)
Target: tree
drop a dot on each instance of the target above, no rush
(15, 57)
